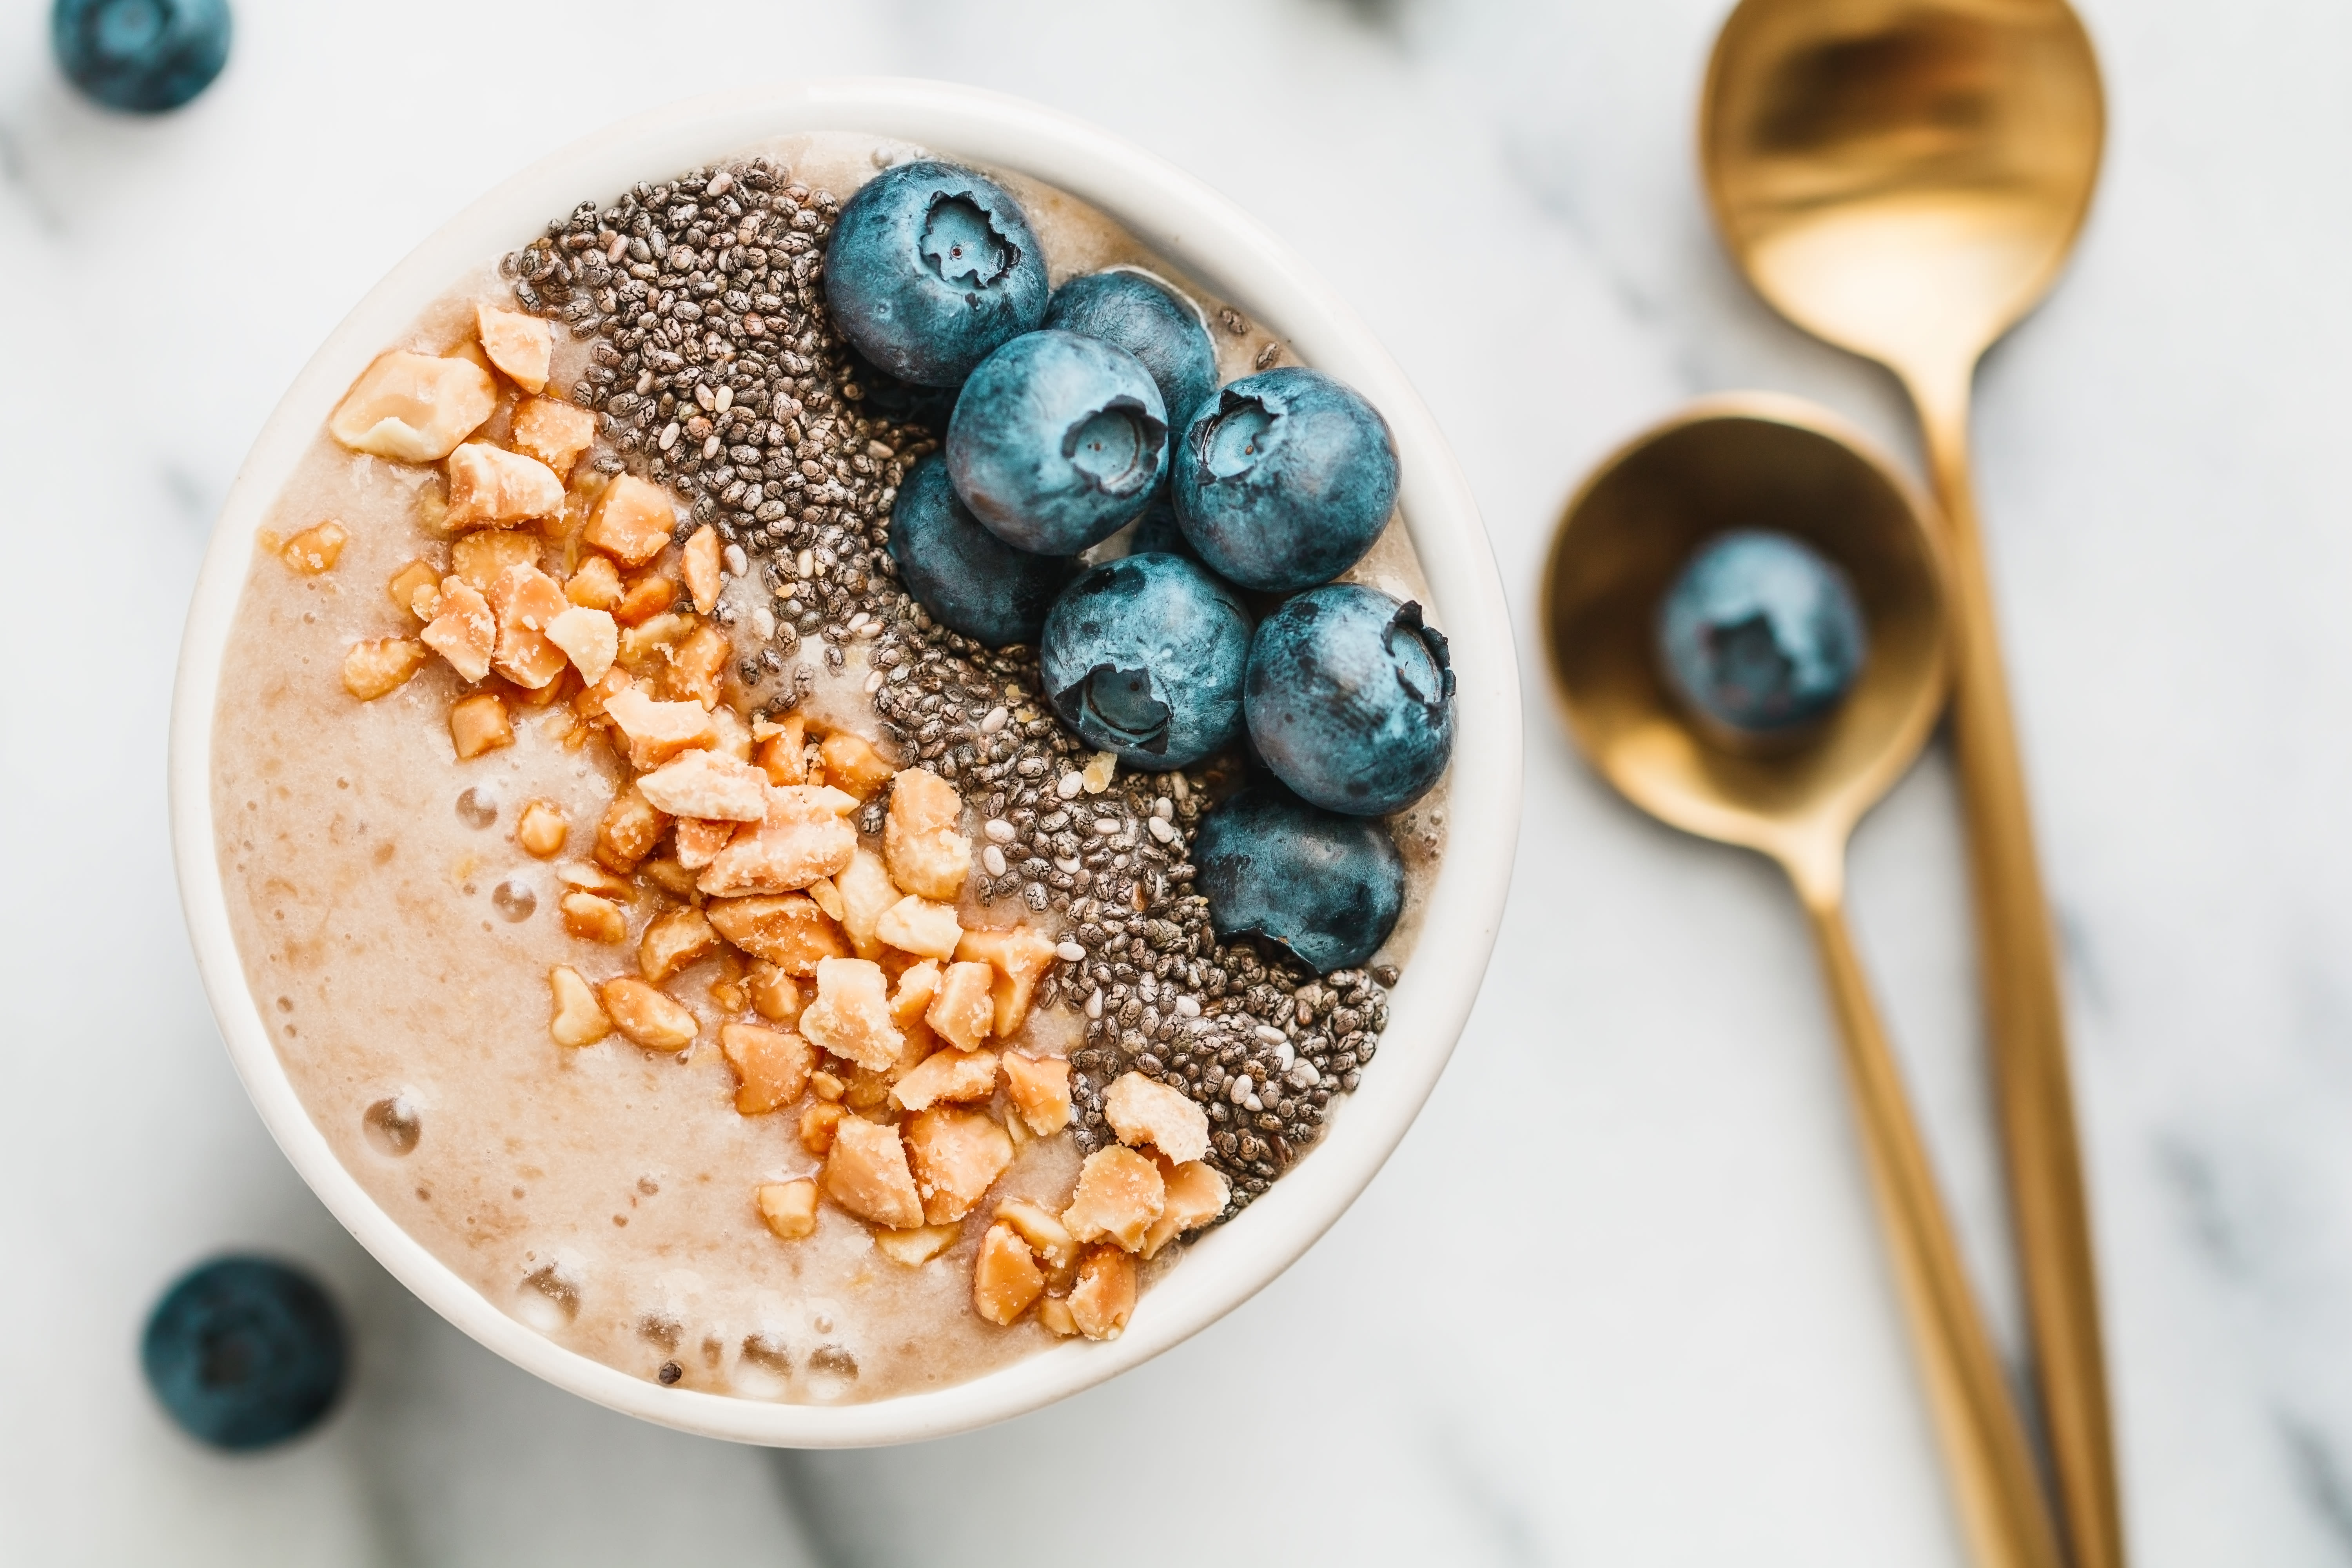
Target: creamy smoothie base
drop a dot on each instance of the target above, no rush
(399, 936)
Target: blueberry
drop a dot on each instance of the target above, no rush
(1326, 887)
(932, 269)
(1350, 699)
(1761, 633)
(245, 1352)
(884, 395)
(1143, 655)
(145, 56)
(1285, 481)
(1142, 317)
(971, 581)
(1157, 531)
(1056, 441)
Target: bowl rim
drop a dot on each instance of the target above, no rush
(1204, 234)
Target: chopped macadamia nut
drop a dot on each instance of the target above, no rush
(578, 1020)
(948, 1077)
(698, 564)
(465, 632)
(818, 1124)
(698, 663)
(1104, 1298)
(708, 785)
(920, 926)
(1021, 957)
(789, 1207)
(669, 875)
(481, 559)
(413, 408)
(631, 828)
(409, 583)
(592, 919)
(851, 1015)
(1056, 1248)
(1039, 1090)
(1055, 1316)
(632, 520)
(521, 346)
(913, 1248)
(526, 601)
(779, 754)
(478, 724)
(803, 836)
(774, 994)
(647, 1015)
(597, 585)
(917, 985)
(540, 830)
(554, 432)
(316, 548)
(962, 1011)
(865, 891)
(866, 1172)
(588, 638)
(646, 650)
(657, 732)
(957, 1156)
(645, 598)
(1005, 1278)
(1142, 1111)
(1196, 1194)
(381, 666)
(771, 1067)
(925, 853)
(675, 940)
(851, 762)
(1120, 1194)
(587, 879)
(788, 931)
(699, 842)
(490, 487)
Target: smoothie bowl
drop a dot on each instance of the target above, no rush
(846, 762)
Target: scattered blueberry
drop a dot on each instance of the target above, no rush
(971, 581)
(1056, 441)
(1350, 699)
(1326, 887)
(932, 269)
(1761, 633)
(244, 1353)
(1285, 480)
(1143, 655)
(145, 56)
(1142, 317)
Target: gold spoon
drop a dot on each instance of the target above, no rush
(1906, 178)
(1760, 461)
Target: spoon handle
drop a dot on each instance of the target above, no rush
(2025, 1013)
(1998, 1491)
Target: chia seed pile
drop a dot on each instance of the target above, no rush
(716, 371)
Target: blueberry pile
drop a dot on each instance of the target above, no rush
(1759, 635)
(1078, 414)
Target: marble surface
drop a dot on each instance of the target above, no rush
(1693, 1354)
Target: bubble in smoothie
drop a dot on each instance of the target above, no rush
(831, 1372)
(394, 1125)
(514, 899)
(548, 1299)
(764, 1368)
(477, 808)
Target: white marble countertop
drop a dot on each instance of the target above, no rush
(1695, 1357)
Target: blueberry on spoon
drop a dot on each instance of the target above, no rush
(971, 581)
(1326, 888)
(1143, 655)
(1285, 480)
(144, 56)
(931, 269)
(1760, 634)
(245, 1352)
(1349, 700)
(1056, 441)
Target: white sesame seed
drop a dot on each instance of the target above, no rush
(1070, 953)
(997, 719)
(999, 829)
(1068, 868)
(806, 565)
(721, 182)
(1270, 1035)
(617, 248)
(994, 859)
(1070, 786)
(764, 622)
(1253, 1101)
(702, 395)
(1093, 1002)
(857, 620)
(1160, 828)
(1105, 826)
(1184, 790)
(725, 400)
(1164, 809)
(668, 436)
(710, 447)
(869, 631)
(1239, 1091)
(737, 562)
(1286, 1054)
(1188, 1007)
(1305, 1076)
(873, 685)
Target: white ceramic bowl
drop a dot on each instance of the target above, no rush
(1204, 236)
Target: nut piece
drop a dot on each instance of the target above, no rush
(380, 666)
(464, 632)
(699, 566)
(921, 927)
(789, 1207)
(644, 599)
(542, 829)
(481, 559)
(781, 746)
(1142, 1111)
(697, 664)
(554, 432)
(1039, 1089)
(951, 1076)
(957, 1156)
(851, 762)
(788, 931)
(647, 1015)
(522, 346)
(927, 856)
(588, 638)
(526, 601)
(597, 585)
(916, 986)
(962, 1012)
(1120, 1194)
(1056, 1248)
(478, 724)
(627, 834)
(771, 1067)
(578, 1020)
(865, 891)
(491, 487)
(851, 1015)
(592, 919)
(411, 580)
(706, 784)
(675, 940)
(1021, 957)
(698, 844)
(632, 520)
(803, 837)
(1053, 1315)
(657, 732)
(315, 549)
(1005, 1277)
(773, 995)
(916, 1247)
(413, 408)
(818, 1124)
(866, 1172)
(1104, 1298)
(1196, 1194)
